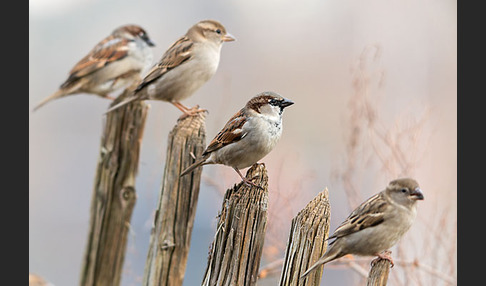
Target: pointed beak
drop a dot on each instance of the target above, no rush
(148, 41)
(417, 194)
(228, 38)
(286, 102)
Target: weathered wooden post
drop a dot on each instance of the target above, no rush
(114, 196)
(174, 217)
(379, 271)
(235, 253)
(307, 242)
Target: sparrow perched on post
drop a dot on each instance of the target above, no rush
(115, 62)
(188, 63)
(375, 225)
(248, 136)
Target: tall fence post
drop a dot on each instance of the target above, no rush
(114, 195)
(174, 217)
(235, 253)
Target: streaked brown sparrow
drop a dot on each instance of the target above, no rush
(248, 136)
(188, 63)
(375, 225)
(115, 62)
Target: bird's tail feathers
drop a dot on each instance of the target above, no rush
(58, 94)
(308, 271)
(122, 103)
(327, 257)
(198, 163)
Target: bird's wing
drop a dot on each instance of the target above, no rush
(370, 213)
(109, 50)
(232, 132)
(176, 55)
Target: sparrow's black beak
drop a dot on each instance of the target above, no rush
(148, 41)
(286, 102)
(417, 194)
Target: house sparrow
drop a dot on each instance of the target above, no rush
(375, 225)
(115, 62)
(248, 136)
(188, 63)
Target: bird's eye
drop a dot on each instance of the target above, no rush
(403, 190)
(218, 31)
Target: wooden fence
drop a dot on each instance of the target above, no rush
(234, 255)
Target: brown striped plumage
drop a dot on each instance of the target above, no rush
(248, 136)
(376, 224)
(186, 65)
(231, 133)
(176, 55)
(115, 62)
(368, 214)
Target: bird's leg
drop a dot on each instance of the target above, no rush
(245, 180)
(195, 110)
(384, 255)
(186, 110)
(109, 97)
(180, 106)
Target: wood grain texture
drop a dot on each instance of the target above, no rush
(113, 196)
(378, 275)
(171, 234)
(235, 253)
(307, 242)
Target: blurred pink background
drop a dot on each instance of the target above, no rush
(307, 51)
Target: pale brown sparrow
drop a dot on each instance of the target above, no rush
(115, 62)
(248, 136)
(375, 225)
(188, 63)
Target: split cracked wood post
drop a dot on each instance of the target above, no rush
(174, 218)
(234, 256)
(378, 275)
(113, 197)
(307, 242)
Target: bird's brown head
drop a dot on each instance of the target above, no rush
(268, 102)
(210, 30)
(405, 190)
(133, 31)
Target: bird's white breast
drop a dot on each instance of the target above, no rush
(261, 134)
(182, 81)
